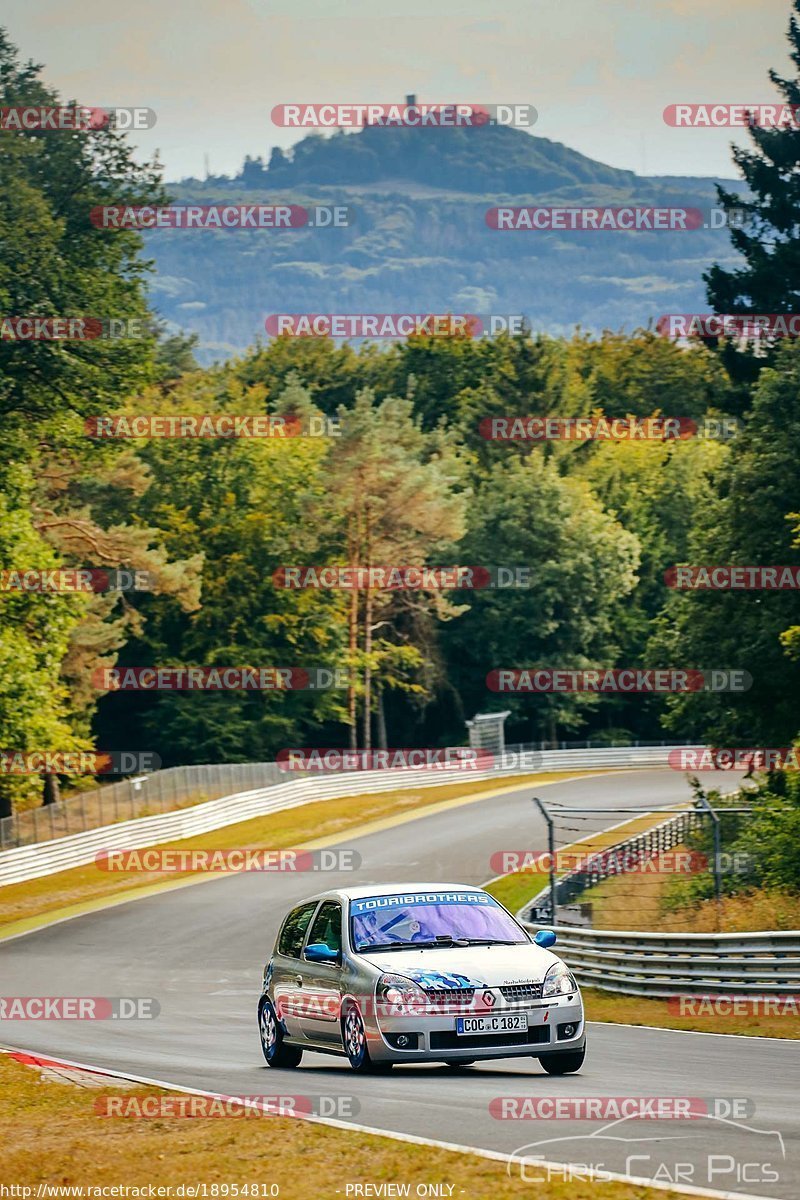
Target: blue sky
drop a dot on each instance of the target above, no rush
(599, 72)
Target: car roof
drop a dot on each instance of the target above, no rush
(393, 889)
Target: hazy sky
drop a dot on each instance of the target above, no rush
(600, 72)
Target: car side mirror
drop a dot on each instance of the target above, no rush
(321, 952)
(545, 938)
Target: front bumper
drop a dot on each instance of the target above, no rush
(433, 1037)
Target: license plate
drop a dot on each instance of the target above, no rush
(498, 1024)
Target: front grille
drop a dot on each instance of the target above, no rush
(522, 991)
(450, 1040)
(447, 996)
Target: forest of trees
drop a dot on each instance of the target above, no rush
(408, 479)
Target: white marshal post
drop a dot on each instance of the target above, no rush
(487, 732)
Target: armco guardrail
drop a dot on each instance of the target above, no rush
(30, 862)
(670, 964)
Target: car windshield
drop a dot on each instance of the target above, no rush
(429, 918)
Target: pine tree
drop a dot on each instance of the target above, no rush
(769, 237)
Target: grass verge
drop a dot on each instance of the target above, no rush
(642, 1010)
(53, 1136)
(616, 898)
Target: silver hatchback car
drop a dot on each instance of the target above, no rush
(421, 972)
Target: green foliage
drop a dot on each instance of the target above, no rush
(242, 507)
(582, 564)
(764, 843)
(54, 262)
(34, 637)
(746, 522)
(769, 279)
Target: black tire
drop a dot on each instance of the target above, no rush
(354, 1040)
(274, 1048)
(456, 1064)
(563, 1062)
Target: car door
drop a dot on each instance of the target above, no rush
(322, 982)
(287, 966)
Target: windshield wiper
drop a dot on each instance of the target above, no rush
(383, 946)
(442, 939)
(491, 942)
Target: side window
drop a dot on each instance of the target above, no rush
(327, 925)
(294, 928)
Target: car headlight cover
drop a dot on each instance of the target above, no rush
(558, 981)
(400, 994)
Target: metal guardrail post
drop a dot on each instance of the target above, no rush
(551, 846)
(712, 812)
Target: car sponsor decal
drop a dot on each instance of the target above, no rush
(442, 980)
(405, 899)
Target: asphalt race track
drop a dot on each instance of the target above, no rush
(200, 950)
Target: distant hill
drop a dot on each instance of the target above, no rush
(420, 241)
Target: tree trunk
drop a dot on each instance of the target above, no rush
(383, 742)
(51, 792)
(367, 670)
(553, 728)
(351, 685)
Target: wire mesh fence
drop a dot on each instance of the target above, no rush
(142, 796)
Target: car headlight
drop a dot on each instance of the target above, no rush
(559, 981)
(400, 994)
